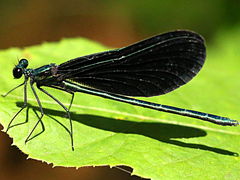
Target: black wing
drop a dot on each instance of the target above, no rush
(151, 67)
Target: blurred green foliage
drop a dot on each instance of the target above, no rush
(204, 16)
(125, 20)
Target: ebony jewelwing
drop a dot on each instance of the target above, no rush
(150, 67)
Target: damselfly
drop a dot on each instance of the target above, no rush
(151, 67)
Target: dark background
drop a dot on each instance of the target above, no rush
(113, 23)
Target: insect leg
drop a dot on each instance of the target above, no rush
(66, 109)
(24, 105)
(4, 95)
(39, 118)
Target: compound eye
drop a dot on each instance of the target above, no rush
(17, 72)
(23, 62)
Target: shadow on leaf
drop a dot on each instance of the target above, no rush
(164, 132)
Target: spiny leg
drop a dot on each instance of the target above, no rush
(24, 105)
(66, 109)
(26, 120)
(70, 105)
(4, 95)
(41, 110)
(70, 92)
(61, 124)
(42, 125)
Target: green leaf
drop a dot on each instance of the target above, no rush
(155, 144)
